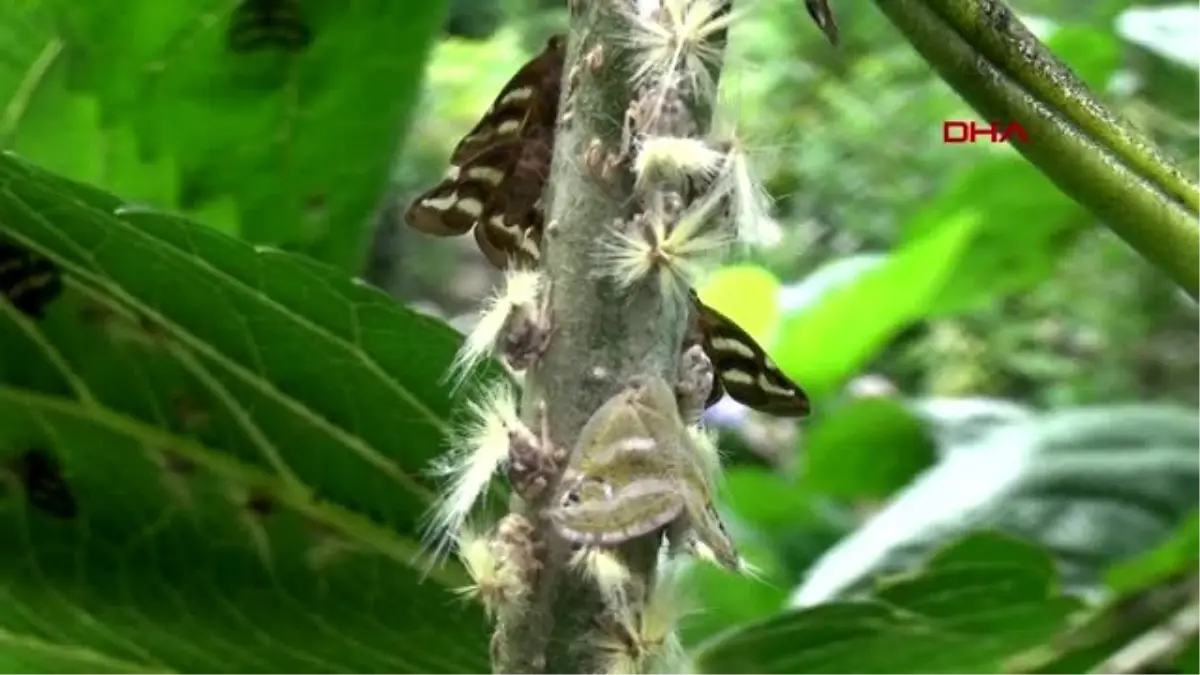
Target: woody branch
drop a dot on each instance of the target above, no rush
(604, 332)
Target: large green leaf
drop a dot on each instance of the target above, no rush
(1024, 225)
(62, 130)
(302, 142)
(976, 604)
(866, 449)
(1091, 485)
(828, 341)
(1149, 595)
(229, 420)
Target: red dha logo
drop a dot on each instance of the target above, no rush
(962, 131)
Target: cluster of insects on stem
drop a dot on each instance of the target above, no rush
(643, 464)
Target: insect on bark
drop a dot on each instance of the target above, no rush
(635, 471)
(498, 171)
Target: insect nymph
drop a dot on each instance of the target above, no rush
(636, 471)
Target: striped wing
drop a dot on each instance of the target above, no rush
(743, 368)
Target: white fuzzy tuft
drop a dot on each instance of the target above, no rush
(745, 567)
(704, 442)
(674, 158)
(477, 452)
(521, 288)
(750, 205)
(489, 581)
(672, 251)
(676, 39)
(650, 643)
(607, 571)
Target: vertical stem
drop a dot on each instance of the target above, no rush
(602, 336)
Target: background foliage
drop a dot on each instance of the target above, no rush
(1000, 475)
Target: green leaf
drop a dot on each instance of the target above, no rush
(61, 130)
(867, 449)
(304, 142)
(1001, 258)
(977, 603)
(1179, 553)
(827, 342)
(747, 294)
(243, 432)
(1092, 486)
(1146, 594)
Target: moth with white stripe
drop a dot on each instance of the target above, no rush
(498, 171)
(744, 371)
(635, 471)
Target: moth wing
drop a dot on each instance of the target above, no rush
(455, 205)
(514, 218)
(743, 368)
(609, 440)
(631, 511)
(518, 99)
(263, 24)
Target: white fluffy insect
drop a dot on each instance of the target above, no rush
(477, 452)
(664, 243)
(645, 641)
(511, 318)
(677, 37)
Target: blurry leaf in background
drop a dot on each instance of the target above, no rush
(1167, 30)
(747, 294)
(977, 603)
(866, 449)
(1092, 486)
(64, 130)
(794, 298)
(718, 599)
(1153, 602)
(1024, 223)
(303, 141)
(1180, 552)
(826, 343)
(244, 434)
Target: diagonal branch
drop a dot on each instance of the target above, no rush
(1005, 73)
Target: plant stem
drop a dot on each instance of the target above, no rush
(603, 336)
(1103, 165)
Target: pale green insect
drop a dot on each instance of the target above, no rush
(635, 471)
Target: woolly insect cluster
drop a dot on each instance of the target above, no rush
(643, 464)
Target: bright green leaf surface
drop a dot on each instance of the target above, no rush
(867, 449)
(179, 372)
(977, 603)
(303, 142)
(1145, 590)
(61, 130)
(1024, 225)
(830, 340)
(747, 294)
